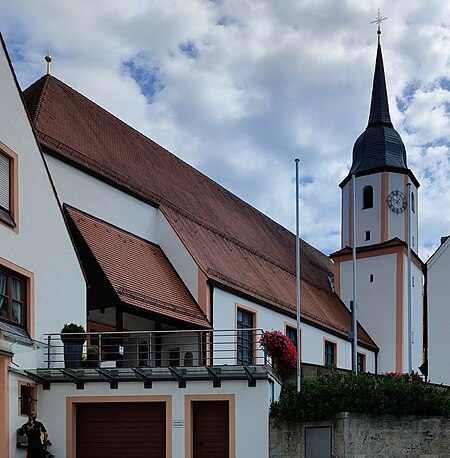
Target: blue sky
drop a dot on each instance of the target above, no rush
(239, 89)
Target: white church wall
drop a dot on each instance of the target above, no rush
(416, 316)
(345, 234)
(103, 201)
(178, 255)
(312, 338)
(376, 302)
(397, 223)
(368, 219)
(438, 292)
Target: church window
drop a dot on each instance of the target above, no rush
(245, 337)
(330, 353)
(368, 197)
(361, 362)
(291, 333)
(371, 278)
(367, 235)
(413, 204)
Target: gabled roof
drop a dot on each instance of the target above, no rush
(138, 271)
(233, 243)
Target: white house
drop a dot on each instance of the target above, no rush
(438, 313)
(41, 283)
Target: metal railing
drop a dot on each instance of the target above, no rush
(179, 348)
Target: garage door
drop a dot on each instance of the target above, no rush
(121, 429)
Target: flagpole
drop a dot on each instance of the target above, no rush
(297, 270)
(354, 305)
(410, 366)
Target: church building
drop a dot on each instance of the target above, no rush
(175, 280)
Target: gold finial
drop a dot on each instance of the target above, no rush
(378, 21)
(48, 59)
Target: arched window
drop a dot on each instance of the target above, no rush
(368, 197)
(413, 204)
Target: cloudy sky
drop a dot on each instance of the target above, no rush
(239, 88)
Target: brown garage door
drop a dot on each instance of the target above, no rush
(121, 429)
(210, 429)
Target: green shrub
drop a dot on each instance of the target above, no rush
(336, 391)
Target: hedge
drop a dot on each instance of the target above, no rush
(336, 391)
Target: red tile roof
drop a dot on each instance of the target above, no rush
(231, 241)
(138, 271)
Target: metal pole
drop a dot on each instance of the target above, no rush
(355, 304)
(297, 270)
(409, 282)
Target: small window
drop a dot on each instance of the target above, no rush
(12, 298)
(371, 278)
(27, 398)
(413, 204)
(368, 197)
(245, 344)
(413, 281)
(367, 235)
(291, 333)
(413, 240)
(361, 362)
(8, 188)
(5, 183)
(330, 353)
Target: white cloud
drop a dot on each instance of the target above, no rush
(268, 81)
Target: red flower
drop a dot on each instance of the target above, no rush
(282, 351)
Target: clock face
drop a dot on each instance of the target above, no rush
(397, 201)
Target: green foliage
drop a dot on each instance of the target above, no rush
(73, 328)
(336, 391)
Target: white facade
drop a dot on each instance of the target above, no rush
(38, 250)
(250, 425)
(378, 220)
(382, 296)
(312, 338)
(438, 293)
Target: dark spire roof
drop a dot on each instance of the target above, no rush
(379, 147)
(379, 107)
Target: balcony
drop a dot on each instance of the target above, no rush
(149, 356)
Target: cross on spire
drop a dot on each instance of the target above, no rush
(378, 21)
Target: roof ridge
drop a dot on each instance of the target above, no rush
(46, 79)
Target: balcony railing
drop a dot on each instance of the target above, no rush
(180, 348)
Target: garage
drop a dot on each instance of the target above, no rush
(120, 429)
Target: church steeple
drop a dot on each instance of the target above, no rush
(379, 107)
(379, 147)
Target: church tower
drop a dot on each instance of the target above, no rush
(382, 182)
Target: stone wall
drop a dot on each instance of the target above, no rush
(357, 435)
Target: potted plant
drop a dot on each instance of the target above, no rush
(73, 337)
(92, 356)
